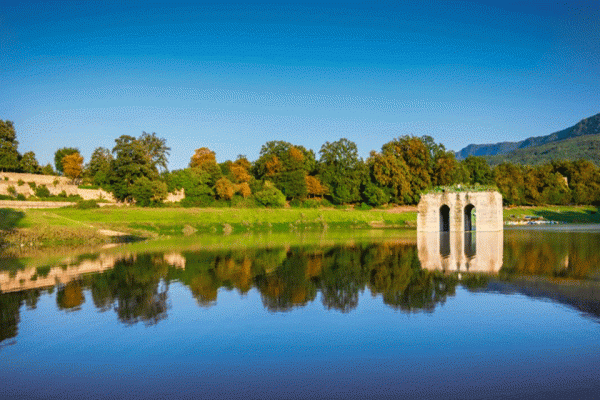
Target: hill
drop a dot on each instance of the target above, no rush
(581, 140)
(584, 147)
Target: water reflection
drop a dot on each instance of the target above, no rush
(480, 252)
(407, 276)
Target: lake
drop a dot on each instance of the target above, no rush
(323, 316)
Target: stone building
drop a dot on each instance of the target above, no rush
(460, 212)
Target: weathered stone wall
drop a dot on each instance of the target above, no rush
(55, 184)
(488, 211)
(484, 254)
(59, 184)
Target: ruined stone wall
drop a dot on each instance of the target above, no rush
(55, 184)
(488, 211)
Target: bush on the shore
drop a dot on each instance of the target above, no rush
(270, 196)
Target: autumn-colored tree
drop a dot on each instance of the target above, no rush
(243, 189)
(202, 157)
(72, 165)
(240, 170)
(224, 188)
(314, 186)
(205, 160)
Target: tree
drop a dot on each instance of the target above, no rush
(342, 170)
(204, 159)
(72, 166)
(98, 168)
(9, 156)
(416, 155)
(48, 170)
(60, 154)
(148, 192)
(29, 164)
(391, 174)
(479, 170)
(270, 196)
(131, 162)
(315, 187)
(286, 165)
(224, 188)
(156, 150)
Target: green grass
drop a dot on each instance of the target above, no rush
(566, 214)
(66, 223)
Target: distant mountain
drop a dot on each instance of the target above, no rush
(579, 141)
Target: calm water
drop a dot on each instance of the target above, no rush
(512, 315)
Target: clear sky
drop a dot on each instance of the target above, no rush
(231, 76)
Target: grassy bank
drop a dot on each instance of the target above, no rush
(564, 214)
(39, 227)
(67, 226)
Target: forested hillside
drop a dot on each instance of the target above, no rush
(576, 142)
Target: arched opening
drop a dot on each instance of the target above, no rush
(470, 244)
(444, 218)
(470, 218)
(445, 244)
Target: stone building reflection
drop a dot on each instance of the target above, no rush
(461, 251)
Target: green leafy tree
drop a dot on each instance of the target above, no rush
(479, 170)
(29, 164)
(131, 162)
(194, 181)
(510, 182)
(60, 154)
(342, 170)
(156, 150)
(148, 192)
(98, 168)
(9, 156)
(48, 170)
(270, 196)
(391, 174)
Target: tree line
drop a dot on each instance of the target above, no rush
(135, 170)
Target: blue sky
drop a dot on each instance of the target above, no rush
(231, 76)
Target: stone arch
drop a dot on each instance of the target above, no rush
(469, 218)
(444, 218)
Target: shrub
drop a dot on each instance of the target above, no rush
(42, 191)
(295, 203)
(6, 178)
(86, 204)
(21, 196)
(198, 201)
(224, 188)
(63, 194)
(147, 192)
(374, 195)
(32, 185)
(241, 202)
(55, 182)
(20, 182)
(11, 191)
(270, 196)
(311, 203)
(365, 206)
